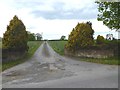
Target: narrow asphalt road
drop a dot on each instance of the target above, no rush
(47, 69)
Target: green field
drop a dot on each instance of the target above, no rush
(33, 46)
(58, 46)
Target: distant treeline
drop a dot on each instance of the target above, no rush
(57, 40)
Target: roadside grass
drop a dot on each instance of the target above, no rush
(58, 46)
(109, 61)
(0, 44)
(33, 46)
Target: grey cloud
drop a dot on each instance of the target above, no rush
(59, 11)
(88, 12)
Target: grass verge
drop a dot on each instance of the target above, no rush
(109, 61)
(33, 46)
(58, 46)
(0, 44)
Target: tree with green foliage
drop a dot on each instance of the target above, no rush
(31, 36)
(100, 40)
(81, 36)
(39, 36)
(109, 13)
(15, 38)
(62, 37)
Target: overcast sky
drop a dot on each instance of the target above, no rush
(53, 18)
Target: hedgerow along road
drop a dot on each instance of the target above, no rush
(47, 69)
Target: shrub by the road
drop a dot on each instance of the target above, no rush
(80, 37)
(15, 38)
(100, 40)
(14, 43)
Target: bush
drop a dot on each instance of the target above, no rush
(31, 36)
(80, 37)
(100, 40)
(15, 38)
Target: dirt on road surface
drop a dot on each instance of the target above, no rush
(47, 69)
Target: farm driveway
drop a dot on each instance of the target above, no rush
(47, 69)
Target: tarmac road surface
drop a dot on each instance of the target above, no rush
(47, 69)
